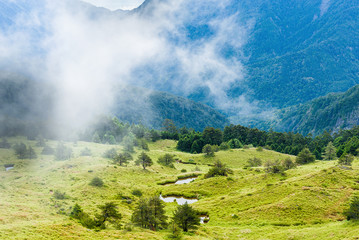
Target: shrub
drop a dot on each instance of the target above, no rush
(62, 152)
(110, 153)
(224, 146)
(274, 167)
(254, 162)
(97, 182)
(183, 170)
(288, 163)
(86, 152)
(167, 160)
(137, 192)
(208, 150)
(346, 159)
(59, 195)
(219, 169)
(259, 149)
(305, 156)
(353, 212)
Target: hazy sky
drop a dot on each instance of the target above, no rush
(116, 4)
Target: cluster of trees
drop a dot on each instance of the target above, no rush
(24, 152)
(149, 213)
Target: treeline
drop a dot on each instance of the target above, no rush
(237, 136)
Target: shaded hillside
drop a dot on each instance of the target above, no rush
(332, 112)
(151, 108)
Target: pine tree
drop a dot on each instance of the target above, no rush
(144, 160)
(346, 159)
(122, 158)
(353, 211)
(166, 160)
(150, 214)
(330, 152)
(186, 217)
(109, 213)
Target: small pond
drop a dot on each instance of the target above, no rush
(9, 167)
(179, 200)
(185, 180)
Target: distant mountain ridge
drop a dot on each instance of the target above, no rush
(329, 113)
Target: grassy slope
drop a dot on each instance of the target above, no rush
(305, 204)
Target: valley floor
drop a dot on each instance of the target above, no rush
(305, 203)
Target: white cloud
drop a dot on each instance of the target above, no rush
(116, 4)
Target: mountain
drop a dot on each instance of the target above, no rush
(332, 112)
(26, 107)
(151, 108)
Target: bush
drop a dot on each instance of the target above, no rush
(254, 162)
(86, 152)
(5, 144)
(219, 169)
(97, 182)
(274, 167)
(259, 149)
(305, 156)
(59, 195)
(111, 153)
(62, 152)
(353, 212)
(137, 192)
(167, 160)
(183, 170)
(208, 150)
(288, 164)
(224, 146)
(346, 159)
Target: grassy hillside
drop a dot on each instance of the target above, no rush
(332, 112)
(306, 203)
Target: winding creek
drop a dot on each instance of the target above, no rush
(8, 167)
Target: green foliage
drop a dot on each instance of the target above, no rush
(22, 152)
(274, 167)
(97, 182)
(212, 136)
(330, 152)
(353, 212)
(235, 143)
(96, 138)
(137, 192)
(122, 158)
(224, 146)
(167, 160)
(144, 160)
(150, 213)
(86, 152)
(304, 157)
(186, 217)
(288, 164)
(59, 195)
(254, 162)
(219, 169)
(109, 213)
(208, 150)
(259, 149)
(62, 152)
(346, 159)
(128, 143)
(111, 153)
(47, 150)
(352, 146)
(143, 144)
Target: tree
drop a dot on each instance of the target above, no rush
(128, 143)
(20, 150)
(224, 146)
(166, 160)
(330, 152)
(186, 217)
(150, 213)
(352, 145)
(254, 162)
(219, 169)
(5, 144)
(169, 126)
(208, 150)
(288, 164)
(346, 159)
(62, 152)
(122, 158)
(212, 136)
(235, 143)
(144, 160)
(353, 212)
(109, 213)
(31, 154)
(111, 153)
(304, 157)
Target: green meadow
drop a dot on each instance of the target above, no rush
(307, 202)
